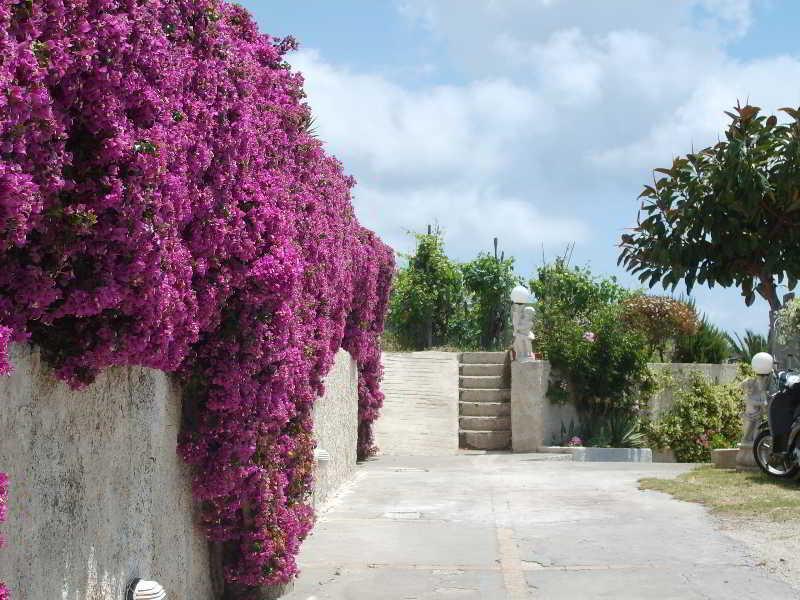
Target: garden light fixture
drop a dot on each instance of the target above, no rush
(139, 589)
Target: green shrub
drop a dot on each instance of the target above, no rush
(598, 360)
(428, 303)
(703, 417)
(488, 281)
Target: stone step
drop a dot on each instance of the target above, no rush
(485, 440)
(481, 369)
(484, 423)
(481, 382)
(496, 395)
(483, 358)
(484, 409)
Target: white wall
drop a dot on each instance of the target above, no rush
(336, 427)
(98, 492)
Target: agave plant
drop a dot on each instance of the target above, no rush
(744, 348)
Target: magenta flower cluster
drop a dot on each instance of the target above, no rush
(164, 203)
(4, 593)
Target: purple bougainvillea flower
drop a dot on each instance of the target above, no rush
(163, 203)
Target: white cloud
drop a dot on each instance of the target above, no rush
(435, 155)
(470, 218)
(436, 133)
(546, 119)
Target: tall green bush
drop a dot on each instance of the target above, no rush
(600, 362)
(489, 280)
(428, 304)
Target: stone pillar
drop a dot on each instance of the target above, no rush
(529, 382)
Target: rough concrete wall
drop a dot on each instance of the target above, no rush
(680, 372)
(420, 412)
(336, 427)
(98, 495)
(535, 420)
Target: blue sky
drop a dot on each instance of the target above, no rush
(537, 121)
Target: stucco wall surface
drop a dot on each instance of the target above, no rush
(336, 427)
(535, 420)
(680, 372)
(98, 494)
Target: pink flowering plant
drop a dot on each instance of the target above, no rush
(4, 593)
(163, 203)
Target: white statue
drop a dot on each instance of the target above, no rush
(755, 403)
(523, 334)
(523, 317)
(756, 400)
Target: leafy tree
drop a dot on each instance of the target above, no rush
(661, 319)
(709, 344)
(428, 302)
(744, 348)
(489, 280)
(572, 291)
(727, 214)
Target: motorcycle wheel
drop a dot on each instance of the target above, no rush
(762, 447)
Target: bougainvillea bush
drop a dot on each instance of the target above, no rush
(4, 595)
(163, 203)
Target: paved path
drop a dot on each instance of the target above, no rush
(420, 412)
(513, 527)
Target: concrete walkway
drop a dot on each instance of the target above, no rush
(513, 527)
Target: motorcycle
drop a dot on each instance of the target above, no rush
(762, 445)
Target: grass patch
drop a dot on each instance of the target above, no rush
(733, 493)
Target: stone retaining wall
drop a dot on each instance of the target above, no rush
(535, 420)
(98, 492)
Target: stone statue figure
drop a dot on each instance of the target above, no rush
(755, 390)
(523, 319)
(785, 342)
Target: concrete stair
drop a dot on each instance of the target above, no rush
(484, 406)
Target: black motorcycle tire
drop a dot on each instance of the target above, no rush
(761, 460)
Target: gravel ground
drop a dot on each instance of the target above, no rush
(775, 545)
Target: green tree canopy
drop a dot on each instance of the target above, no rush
(726, 215)
(428, 296)
(489, 280)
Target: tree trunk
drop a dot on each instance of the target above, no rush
(770, 293)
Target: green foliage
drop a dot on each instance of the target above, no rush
(580, 329)
(708, 344)
(489, 280)
(703, 417)
(788, 321)
(745, 348)
(572, 291)
(428, 305)
(437, 302)
(618, 429)
(661, 319)
(727, 214)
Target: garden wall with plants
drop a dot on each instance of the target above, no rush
(625, 369)
(164, 203)
(538, 421)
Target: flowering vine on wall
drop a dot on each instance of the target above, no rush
(163, 203)
(4, 594)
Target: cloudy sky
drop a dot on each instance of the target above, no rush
(536, 121)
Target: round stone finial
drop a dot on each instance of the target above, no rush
(521, 295)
